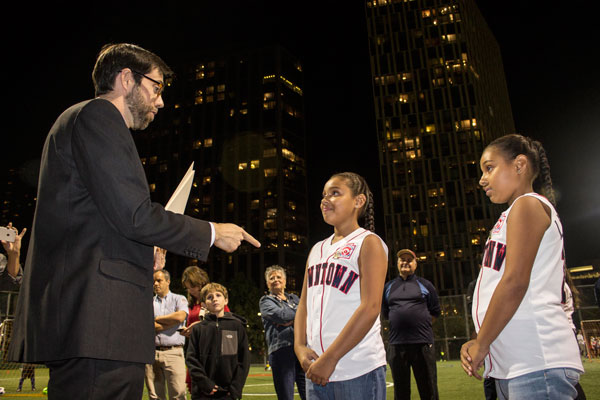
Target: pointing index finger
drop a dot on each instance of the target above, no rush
(250, 239)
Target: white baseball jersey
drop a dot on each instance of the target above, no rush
(333, 294)
(538, 336)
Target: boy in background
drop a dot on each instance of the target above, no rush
(217, 355)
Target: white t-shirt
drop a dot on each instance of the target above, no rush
(539, 335)
(333, 294)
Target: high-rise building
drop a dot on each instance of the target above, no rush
(240, 119)
(440, 96)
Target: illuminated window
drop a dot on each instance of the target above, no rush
(424, 230)
(143, 160)
(475, 240)
(403, 98)
(288, 154)
(220, 96)
(230, 207)
(208, 142)
(254, 164)
(153, 159)
(242, 166)
(272, 152)
(206, 180)
(269, 105)
(197, 144)
(199, 100)
(271, 213)
(210, 90)
(268, 96)
(244, 111)
(430, 128)
(221, 88)
(254, 204)
(152, 187)
(270, 172)
(292, 205)
(231, 112)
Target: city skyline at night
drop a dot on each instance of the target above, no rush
(547, 56)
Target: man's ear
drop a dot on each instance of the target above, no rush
(124, 80)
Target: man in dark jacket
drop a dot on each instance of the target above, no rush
(85, 305)
(217, 355)
(411, 304)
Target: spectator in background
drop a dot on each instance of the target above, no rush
(170, 312)
(278, 310)
(194, 279)
(27, 372)
(217, 355)
(411, 304)
(11, 273)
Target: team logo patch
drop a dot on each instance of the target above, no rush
(499, 224)
(345, 252)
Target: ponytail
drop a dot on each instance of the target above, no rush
(513, 145)
(359, 185)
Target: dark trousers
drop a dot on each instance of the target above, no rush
(93, 379)
(287, 370)
(489, 389)
(421, 357)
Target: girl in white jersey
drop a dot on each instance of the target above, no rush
(337, 330)
(524, 337)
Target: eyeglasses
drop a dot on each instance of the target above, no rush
(158, 89)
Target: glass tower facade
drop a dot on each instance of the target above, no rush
(440, 96)
(240, 119)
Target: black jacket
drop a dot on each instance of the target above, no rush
(88, 279)
(218, 354)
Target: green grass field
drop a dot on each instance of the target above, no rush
(453, 384)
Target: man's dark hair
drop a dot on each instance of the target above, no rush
(114, 57)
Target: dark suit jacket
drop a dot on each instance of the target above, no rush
(87, 289)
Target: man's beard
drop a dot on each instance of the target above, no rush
(140, 110)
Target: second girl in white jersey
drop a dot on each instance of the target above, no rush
(337, 328)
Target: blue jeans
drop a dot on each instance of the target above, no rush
(554, 383)
(287, 370)
(369, 386)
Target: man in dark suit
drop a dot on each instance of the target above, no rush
(85, 307)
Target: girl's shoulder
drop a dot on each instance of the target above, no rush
(375, 239)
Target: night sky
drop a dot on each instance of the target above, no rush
(550, 59)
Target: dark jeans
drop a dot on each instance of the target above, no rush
(93, 379)
(287, 370)
(489, 389)
(421, 357)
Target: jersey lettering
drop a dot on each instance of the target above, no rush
(340, 270)
(500, 255)
(352, 277)
(494, 255)
(331, 275)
